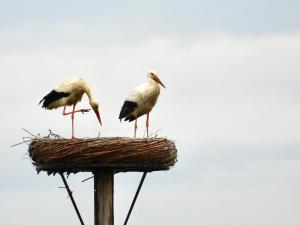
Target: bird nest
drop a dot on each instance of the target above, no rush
(118, 154)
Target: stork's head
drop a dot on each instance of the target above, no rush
(152, 75)
(95, 107)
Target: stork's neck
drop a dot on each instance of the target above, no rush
(90, 95)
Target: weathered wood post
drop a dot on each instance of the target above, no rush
(104, 198)
(103, 157)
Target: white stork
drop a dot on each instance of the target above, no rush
(141, 101)
(68, 93)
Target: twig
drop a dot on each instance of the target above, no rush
(155, 132)
(28, 132)
(87, 179)
(20, 143)
(32, 137)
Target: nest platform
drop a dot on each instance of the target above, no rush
(117, 154)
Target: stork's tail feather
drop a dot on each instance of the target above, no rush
(127, 108)
(130, 118)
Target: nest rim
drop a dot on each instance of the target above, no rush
(117, 154)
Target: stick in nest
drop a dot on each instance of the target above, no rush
(32, 137)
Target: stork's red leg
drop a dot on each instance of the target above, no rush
(79, 110)
(147, 124)
(72, 116)
(135, 127)
(64, 112)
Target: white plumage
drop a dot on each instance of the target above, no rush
(70, 92)
(76, 87)
(141, 100)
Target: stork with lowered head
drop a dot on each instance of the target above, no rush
(69, 93)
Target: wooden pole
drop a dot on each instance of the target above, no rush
(103, 198)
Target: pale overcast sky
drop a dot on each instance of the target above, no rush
(232, 74)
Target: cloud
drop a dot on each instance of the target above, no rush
(231, 104)
(136, 19)
(228, 87)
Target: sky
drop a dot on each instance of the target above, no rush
(232, 106)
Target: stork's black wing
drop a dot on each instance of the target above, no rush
(52, 97)
(127, 108)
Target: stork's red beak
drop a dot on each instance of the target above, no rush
(98, 116)
(159, 81)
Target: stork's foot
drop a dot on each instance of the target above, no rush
(75, 111)
(84, 110)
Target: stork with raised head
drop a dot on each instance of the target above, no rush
(69, 93)
(141, 101)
